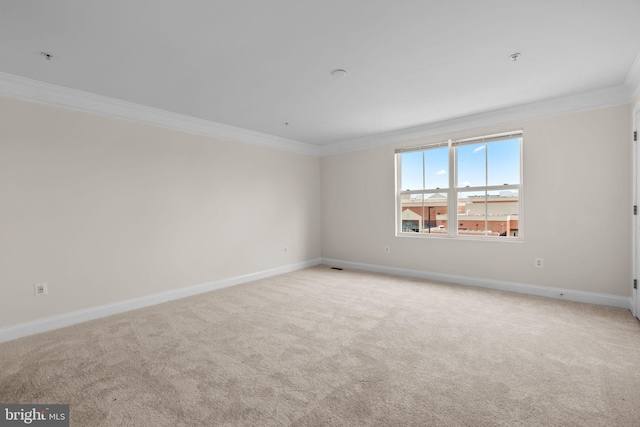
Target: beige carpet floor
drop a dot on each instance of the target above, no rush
(321, 347)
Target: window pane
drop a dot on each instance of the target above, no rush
(472, 165)
(472, 218)
(412, 172)
(435, 214)
(502, 208)
(504, 162)
(487, 179)
(411, 212)
(436, 168)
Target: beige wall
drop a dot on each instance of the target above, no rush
(105, 210)
(569, 161)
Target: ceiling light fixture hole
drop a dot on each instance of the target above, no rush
(339, 73)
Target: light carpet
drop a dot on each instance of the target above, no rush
(321, 347)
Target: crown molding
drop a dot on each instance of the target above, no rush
(614, 95)
(24, 89)
(21, 88)
(633, 77)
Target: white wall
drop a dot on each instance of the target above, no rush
(105, 210)
(577, 209)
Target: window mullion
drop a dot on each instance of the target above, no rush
(452, 196)
(398, 193)
(491, 188)
(424, 185)
(486, 183)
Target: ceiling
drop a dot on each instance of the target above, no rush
(256, 64)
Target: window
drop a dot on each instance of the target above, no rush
(464, 188)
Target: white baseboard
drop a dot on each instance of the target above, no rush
(68, 319)
(543, 291)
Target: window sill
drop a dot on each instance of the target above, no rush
(438, 236)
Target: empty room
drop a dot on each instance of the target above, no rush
(319, 213)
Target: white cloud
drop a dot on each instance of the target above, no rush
(480, 148)
(441, 172)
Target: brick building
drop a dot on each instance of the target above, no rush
(497, 215)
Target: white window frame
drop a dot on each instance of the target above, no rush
(453, 189)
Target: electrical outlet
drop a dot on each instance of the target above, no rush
(41, 289)
(387, 249)
(538, 262)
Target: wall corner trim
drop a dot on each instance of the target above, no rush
(68, 319)
(632, 80)
(24, 89)
(543, 291)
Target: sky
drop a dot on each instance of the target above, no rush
(502, 158)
